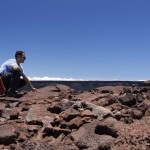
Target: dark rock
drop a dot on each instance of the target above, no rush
(105, 130)
(75, 123)
(69, 114)
(128, 99)
(57, 108)
(139, 98)
(136, 114)
(8, 134)
(127, 90)
(55, 131)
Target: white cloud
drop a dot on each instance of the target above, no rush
(72, 79)
(53, 79)
(142, 80)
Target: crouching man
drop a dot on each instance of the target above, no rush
(11, 72)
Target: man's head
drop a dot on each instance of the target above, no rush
(20, 56)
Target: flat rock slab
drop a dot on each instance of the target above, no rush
(8, 134)
(109, 133)
(41, 95)
(9, 99)
(94, 135)
(34, 145)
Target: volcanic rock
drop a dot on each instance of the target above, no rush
(58, 117)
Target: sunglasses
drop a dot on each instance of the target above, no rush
(23, 57)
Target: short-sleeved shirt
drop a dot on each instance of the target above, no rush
(7, 67)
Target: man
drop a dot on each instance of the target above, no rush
(11, 71)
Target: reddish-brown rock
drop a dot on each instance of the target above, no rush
(58, 117)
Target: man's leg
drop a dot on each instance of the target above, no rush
(7, 81)
(11, 83)
(2, 87)
(22, 83)
(14, 83)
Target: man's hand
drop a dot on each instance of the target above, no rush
(34, 89)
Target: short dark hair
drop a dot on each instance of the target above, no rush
(19, 53)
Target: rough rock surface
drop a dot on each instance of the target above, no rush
(60, 118)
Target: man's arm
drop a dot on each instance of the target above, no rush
(29, 83)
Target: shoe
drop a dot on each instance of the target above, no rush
(23, 93)
(14, 94)
(3, 95)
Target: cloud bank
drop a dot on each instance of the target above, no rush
(72, 79)
(53, 79)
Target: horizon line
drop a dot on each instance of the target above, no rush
(73, 79)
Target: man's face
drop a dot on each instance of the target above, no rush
(21, 58)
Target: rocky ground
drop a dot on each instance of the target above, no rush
(60, 118)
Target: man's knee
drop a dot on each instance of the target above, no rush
(22, 83)
(16, 73)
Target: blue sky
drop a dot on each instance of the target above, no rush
(79, 39)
